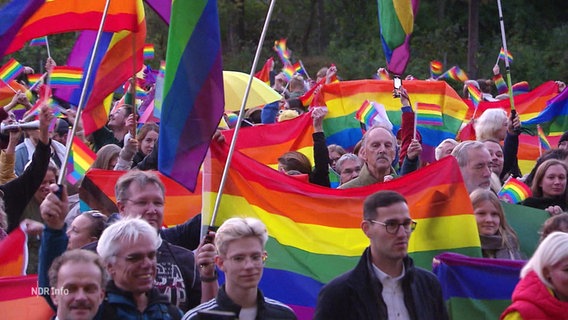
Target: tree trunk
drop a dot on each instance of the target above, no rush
(473, 39)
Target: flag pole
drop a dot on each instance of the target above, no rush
(305, 70)
(82, 97)
(507, 67)
(241, 114)
(47, 47)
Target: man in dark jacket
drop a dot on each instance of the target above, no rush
(384, 284)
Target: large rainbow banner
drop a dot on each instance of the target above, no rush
(315, 232)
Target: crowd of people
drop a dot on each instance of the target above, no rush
(125, 265)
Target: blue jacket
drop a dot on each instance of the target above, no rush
(357, 294)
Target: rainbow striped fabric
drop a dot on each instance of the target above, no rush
(543, 141)
(14, 253)
(508, 55)
(19, 301)
(314, 232)
(521, 87)
(264, 73)
(41, 41)
(34, 78)
(159, 93)
(367, 113)
(10, 70)
(282, 51)
(514, 191)
(288, 71)
(59, 16)
(500, 84)
(19, 12)
(81, 158)
(474, 94)
(396, 22)
(193, 90)
(65, 76)
(149, 51)
(382, 74)
(455, 73)
(436, 69)
(344, 98)
(428, 114)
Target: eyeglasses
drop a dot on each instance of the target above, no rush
(139, 257)
(392, 225)
(256, 259)
(145, 203)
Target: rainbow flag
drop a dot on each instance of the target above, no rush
(521, 87)
(288, 71)
(41, 41)
(396, 22)
(544, 144)
(10, 70)
(367, 113)
(476, 288)
(508, 55)
(500, 84)
(19, 12)
(14, 253)
(193, 91)
(65, 76)
(298, 68)
(264, 73)
(115, 67)
(455, 73)
(307, 98)
(80, 160)
(474, 94)
(382, 74)
(148, 51)
(314, 232)
(6, 94)
(514, 191)
(282, 51)
(140, 92)
(19, 301)
(34, 78)
(344, 98)
(428, 114)
(436, 69)
(59, 16)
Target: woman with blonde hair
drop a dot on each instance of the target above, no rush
(548, 187)
(498, 239)
(542, 292)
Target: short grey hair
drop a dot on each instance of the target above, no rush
(345, 157)
(141, 178)
(461, 151)
(124, 230)
(438, 152)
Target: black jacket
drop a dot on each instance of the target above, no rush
(357, 294)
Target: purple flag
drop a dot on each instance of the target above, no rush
(15, 14)
(162, 7)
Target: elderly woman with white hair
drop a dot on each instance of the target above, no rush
(542, 292)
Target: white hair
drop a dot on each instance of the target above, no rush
(124, 230)
(552, 250)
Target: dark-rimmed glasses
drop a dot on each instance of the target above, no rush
(392, 226)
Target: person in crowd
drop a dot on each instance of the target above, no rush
(498, 239)
(384, 284)
(335, 152)
(129, 248)
(147, 138)
(61, 131)
(241, 254)
(474, 161)
(558, 222)
(120, 122)
(297, 87)
(445, 148)
(294, 160)
(542, 292)
(549, 188)
(410, 146)
(79, 279)
(496, 165)
(563, 142)
(107, 157)
(348, 167)
(492, 124)
(8, 155)
(560, 154)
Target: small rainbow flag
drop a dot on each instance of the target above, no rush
(500, 84)
(542, 140)
(514, 191)
(288, 71)
(521, 87)
(383, 74)
(14, 253)
(80, 160)
(436, 68)
(11, 70)
(474, 94)
(456, 73)
(65, 76)
(298, 68)
(34, 78)
(264, 73)
(41, 41)
(367, 113)
(282, 50)
(429, 114)
(140, 92)
(149, 51)
(502, 55)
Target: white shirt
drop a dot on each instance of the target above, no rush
(393, 296)
(247, 313)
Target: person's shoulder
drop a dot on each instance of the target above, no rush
(194, 313)
(429, 277)
(280, 308)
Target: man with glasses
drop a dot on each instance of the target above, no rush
(129, 248)
(385, 284)
(241, 255)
